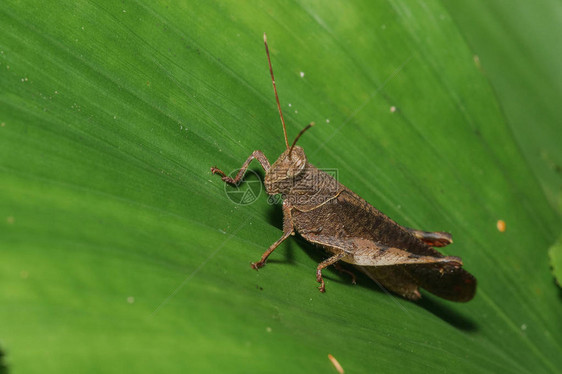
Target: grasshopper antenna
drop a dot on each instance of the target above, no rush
(275, 90)
(298, 136)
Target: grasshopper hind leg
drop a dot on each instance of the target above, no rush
(433, 239)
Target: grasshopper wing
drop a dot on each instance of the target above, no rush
(386, 251)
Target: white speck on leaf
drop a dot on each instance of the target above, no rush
(477, 61)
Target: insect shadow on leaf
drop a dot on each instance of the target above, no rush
(3, 366)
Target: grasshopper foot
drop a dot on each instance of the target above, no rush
(257, 265)
(215, 170)
(320, 280)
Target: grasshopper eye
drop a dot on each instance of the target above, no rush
(296, 168)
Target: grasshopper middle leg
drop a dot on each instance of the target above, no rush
(324, 264)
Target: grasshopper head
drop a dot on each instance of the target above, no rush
(282, 175)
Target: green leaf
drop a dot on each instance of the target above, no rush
(121, 252)
(516, 43)
(555, 253)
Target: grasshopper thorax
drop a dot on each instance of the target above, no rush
(284, 172)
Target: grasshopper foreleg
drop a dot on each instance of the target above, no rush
(258, 155)
(288, 229)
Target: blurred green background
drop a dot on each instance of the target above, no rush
(121, 252)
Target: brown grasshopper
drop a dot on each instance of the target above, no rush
(327, 213)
